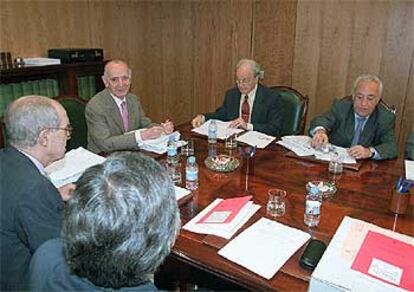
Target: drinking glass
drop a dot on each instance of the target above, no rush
(188, 148)
(276, 202)
(230, 142)
(335, 163)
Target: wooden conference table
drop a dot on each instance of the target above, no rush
(363, 194)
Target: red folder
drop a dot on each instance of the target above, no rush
(397, 257)
(231, 207)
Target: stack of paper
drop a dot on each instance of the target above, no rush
(223, 217)
(159, 145)
(71, 167)
(181, 192)
(40, 61)
(300, 145)
(365, 257)
(264, 247)
(223, 129)
(255, 138)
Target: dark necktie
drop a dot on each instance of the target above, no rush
(124, 114)
(358, 130)
(245, 112)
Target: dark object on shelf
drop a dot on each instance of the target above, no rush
(75, 55)
(312, 254)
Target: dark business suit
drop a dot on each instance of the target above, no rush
(378, 132)
(31, 213)
(409, 146)
(104, 121)
(267, 116)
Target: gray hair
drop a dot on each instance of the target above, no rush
(121, 221)
(367, 77)
(253, 64)
(115, 61)
(27, 116)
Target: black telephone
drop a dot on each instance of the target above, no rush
(312, 254)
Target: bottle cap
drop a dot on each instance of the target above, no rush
(191, 159)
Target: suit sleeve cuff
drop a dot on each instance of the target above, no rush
(314, 130)
(138, 138)
(249, 126)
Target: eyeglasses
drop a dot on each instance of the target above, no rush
(244, 81)
(68, 129)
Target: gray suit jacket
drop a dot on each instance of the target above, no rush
(378, 132)
(267, 115)
(105, 127)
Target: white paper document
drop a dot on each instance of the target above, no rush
(409, 169)
(225, 230)
(181, 192)
(159, 145)
(254, 138)
(273, 242)
(223, 129)
(71, 167)
(301, 146)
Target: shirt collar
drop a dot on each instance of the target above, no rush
(36, 162)
(118, 100)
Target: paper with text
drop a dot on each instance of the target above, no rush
(273, 242)
(254, 138)
(409, 170)
(223, 129)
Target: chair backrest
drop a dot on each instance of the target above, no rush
(295, 108)
(75, 108)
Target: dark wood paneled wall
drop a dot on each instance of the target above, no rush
(183, 52)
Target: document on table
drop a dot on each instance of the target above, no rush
(159, 145)
(365, 257)
(225, 230)
(409, 170)
(273, 242)
(71, 167)
(181, 192)
(223, 129)
(254, 138)
(225, 211)
(301, 146)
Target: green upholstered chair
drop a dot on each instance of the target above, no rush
(295, 108)
(75, 108)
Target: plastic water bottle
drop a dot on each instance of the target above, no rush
(212, 132)
(172, 155)
(191, 174)
(313, 204)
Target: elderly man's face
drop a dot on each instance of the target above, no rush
(246, 81)
(117, 79)
(366, 97)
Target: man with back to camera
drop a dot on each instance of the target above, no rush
(361, 124)
(114, 116)
(250, 105)
(118, 227)
(31, 207)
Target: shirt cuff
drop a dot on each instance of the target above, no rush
(249, 126)
(376, 155)
(314, 130)
(138, 138)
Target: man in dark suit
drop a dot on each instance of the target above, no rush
(250, 105)
(31, 206)
(362, 124)
(115, 118)
(409, 146)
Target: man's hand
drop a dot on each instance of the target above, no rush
(66, 191)
(197, 121)
(359, 152)
(238, 123)
(152, 133)
(319, 138)
(168, 127)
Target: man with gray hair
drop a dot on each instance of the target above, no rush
(362, 124)
(249, 105)
(31, 206)
(118, 227)
(114, 116)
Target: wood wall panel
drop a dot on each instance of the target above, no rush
(183, 53)
(274, 36)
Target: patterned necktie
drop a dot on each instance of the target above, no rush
(358, 130)
(124, 114)
(245, 112)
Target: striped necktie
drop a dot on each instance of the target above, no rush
(245, 112)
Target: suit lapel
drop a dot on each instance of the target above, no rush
(112, 111)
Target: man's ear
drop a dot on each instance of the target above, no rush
(105, 80)
(43, 138)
